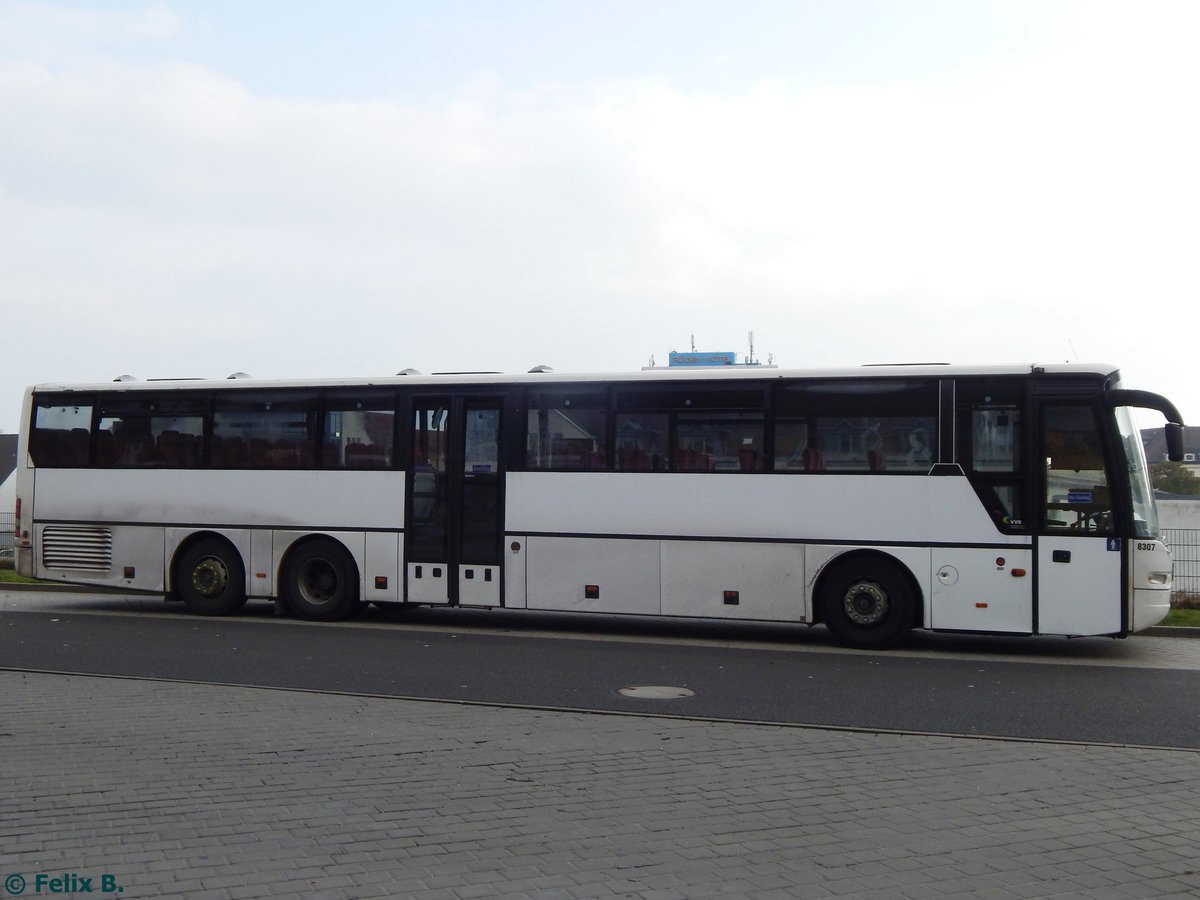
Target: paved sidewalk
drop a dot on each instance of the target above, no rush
(163, 789)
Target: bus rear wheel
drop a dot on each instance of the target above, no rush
(210, 578)
(320, 581)
(867, 603)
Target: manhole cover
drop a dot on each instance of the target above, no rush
(655, 692)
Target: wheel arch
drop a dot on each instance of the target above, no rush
(821, 585)
(190, 541)
(355, 555)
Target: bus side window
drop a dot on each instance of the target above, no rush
(148, 431)
(857, 426)
(567, 430)
(719, 442)
(359, 432)
(265, 431)
(990, 435)
(61, 433)
(642, 441)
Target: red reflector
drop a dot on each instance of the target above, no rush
(981, 606)
(1018, 573)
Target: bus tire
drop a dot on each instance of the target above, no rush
(320, 581)
(210, 578)
(867, 603)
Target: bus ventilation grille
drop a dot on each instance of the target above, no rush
(77, 547)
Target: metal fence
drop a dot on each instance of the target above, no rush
(8, 521)
(1185, 557)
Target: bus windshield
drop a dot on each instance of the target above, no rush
(1145, 516)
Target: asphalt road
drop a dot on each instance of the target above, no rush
(985, 687)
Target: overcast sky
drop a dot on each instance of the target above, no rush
(298, 189)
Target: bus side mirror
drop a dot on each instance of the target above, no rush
(1174, 434)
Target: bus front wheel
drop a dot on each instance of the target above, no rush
(867, 603)
(210, 578)
(320, 581)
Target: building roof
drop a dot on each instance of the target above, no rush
(1155, 442)
(8, 455)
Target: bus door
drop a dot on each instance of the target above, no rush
(455, 502)
(1079, 548)
(989, 587)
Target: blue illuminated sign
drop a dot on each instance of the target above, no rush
(703, 359)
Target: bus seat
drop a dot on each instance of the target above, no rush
(632, 459)
(170, 448)
(106, 452)
(77, 447)
(356, 456)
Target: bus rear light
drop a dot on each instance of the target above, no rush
(1159, 579)
(732, 598)
(591, 592)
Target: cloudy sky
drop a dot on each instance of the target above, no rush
(291, 189)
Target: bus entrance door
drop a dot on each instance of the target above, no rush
(454, 504)
(1079, 550)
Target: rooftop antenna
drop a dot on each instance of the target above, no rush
(693, 343)
(750, 359)
(1073, 352)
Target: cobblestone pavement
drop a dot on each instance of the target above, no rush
(150, 789)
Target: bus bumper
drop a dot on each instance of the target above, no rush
(1150, 606)
(23, 561)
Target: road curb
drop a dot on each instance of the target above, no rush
(1172, 631)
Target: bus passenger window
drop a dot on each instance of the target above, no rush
(642, 441)
(879, 426)
(265, 431)
(994, 443)
(795, 450)
(719, 442)
(140, 431)
(567, 430)
(990, 449)
(60, 435)
(359, 432)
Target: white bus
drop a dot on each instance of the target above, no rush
(1009, 500)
